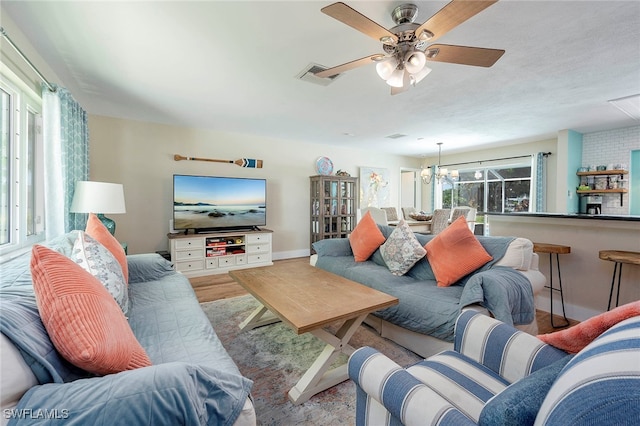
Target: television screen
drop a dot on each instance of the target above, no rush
(215, 203)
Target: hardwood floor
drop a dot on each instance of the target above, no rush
(222, 286)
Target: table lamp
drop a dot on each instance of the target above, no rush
(99, 198)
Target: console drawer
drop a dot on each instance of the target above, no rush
(188, 254)
(258, 238)
(188, 243)
(258, 248)
(187, 266)
(258, 258)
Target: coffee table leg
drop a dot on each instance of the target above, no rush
(317, 378)
(261, 316)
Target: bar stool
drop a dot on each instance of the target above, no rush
(619, 257)
(552, 249)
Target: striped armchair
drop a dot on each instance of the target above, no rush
(497, 375)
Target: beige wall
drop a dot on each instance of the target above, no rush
(586, 280)
(140, 156)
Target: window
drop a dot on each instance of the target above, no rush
(21, 166)
(493, 189)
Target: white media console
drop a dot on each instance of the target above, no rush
(217, 253)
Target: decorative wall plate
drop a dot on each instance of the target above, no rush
(324, 166)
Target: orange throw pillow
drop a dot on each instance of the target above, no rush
(101, 234)
(574, 339)
(455, 252)
(83, 320)
(365, 238)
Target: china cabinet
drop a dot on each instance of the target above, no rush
(334, 206)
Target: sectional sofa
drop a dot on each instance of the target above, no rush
(176, 370)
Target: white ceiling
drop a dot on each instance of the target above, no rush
(232, 67)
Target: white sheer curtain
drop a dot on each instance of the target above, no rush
(66, 149)
(54, 199)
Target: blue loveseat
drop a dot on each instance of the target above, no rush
(424, 319)
(192, 380)
(497, 375)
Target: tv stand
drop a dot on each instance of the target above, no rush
(218, 252)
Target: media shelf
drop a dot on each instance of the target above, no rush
(217, 253)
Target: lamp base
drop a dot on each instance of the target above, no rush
(110, 224)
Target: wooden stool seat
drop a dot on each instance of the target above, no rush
(552, 249)
(619, 257)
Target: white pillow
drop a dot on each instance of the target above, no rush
(17, 377)
(518, 255)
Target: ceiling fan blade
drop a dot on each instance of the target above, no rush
(348, 66)
(464, 55)
(358, 21)
(452, 15)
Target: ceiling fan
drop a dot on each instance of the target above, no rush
(406, 46)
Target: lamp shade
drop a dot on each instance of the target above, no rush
(98, 197)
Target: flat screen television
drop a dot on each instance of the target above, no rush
(214, 203)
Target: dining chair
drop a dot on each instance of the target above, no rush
(440, 220)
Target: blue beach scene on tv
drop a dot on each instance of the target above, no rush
(211, 202)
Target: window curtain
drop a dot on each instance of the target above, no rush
(541, 182)
(66, 150)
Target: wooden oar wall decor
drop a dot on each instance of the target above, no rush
(242, 162)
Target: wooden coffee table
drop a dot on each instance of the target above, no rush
(307, 299)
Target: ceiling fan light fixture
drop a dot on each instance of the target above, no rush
(415, 61)
(385, 68)
(397, 78)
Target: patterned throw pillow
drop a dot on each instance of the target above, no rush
(402, 249)
(84, 322)
(94, 258)
(365, 238)
(455, 253)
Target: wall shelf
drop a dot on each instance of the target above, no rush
(603, 173)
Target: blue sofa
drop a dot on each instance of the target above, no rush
(192, 380)
(497, 375)
(424, 319)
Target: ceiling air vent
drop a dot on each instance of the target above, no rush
(308, 74)
(395, 136)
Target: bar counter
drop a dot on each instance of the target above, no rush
(586, 279)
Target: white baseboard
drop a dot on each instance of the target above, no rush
(281, 255)
(574, 312)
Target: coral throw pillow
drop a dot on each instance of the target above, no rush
(365, 238)
(83, 320)
(455, 252)
(573, 339)
(101, 234)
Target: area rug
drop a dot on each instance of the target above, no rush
(275, 358)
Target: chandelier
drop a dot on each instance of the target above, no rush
(441, 172)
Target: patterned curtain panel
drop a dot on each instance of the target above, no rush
(541, 182)
(66, 145)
